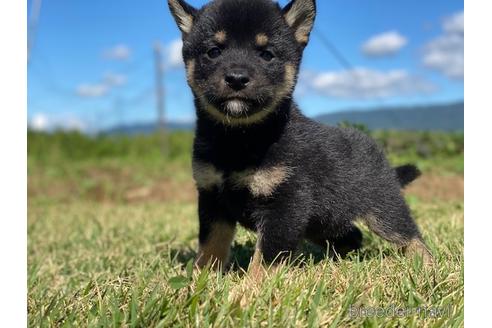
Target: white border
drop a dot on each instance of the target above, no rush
(13, 172)
(478, 148)
(478, 129)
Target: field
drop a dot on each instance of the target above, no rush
(112, 232)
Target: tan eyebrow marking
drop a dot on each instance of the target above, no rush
(261, 39)
(220, 37)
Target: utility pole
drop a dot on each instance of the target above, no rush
(159, 92)
(118, 109)
(32, 26)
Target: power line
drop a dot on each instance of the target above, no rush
(337, 54)
(342, 60)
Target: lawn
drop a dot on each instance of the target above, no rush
(112, 233)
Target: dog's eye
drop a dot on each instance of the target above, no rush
(266, 55)
(214, 52)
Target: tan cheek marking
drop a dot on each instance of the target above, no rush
(190, 71)
(262, 182)
(220, 37)
(216, 248)
(206, 175)
(261, 40)
(289, 82)
(290, 77)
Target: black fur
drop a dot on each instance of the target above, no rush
(335, 175)
(407, 173)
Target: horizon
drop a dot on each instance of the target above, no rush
(320, 115)
(400, 118)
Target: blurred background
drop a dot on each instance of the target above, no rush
(110, 117)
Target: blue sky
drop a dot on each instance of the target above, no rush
(92, 65)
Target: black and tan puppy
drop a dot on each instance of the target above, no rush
(257, 160)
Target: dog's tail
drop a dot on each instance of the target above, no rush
(406, 174)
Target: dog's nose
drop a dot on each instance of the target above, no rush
(237, 79)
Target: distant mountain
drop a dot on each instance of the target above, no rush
(147, 128)
(442, 117)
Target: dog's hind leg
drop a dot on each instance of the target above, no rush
(350, 240)
(395, 224)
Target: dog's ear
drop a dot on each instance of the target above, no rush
(300, 15)
(183, 14)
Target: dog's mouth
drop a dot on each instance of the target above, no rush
(237, 106)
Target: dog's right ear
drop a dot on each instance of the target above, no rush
(183, 14)
(299, 15)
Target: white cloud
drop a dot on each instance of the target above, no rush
(172, 52)
(92, 90)
(446, 55)
(384, 44)
(101, 89)
(113, 79)
(364, 83)
(174, 57)
(446, 52)
(44, 122)
(455, 23)
(118, 52)
(39, 122)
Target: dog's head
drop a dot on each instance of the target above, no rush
(242, 56)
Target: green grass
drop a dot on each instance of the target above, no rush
(428, 149)
(109, 265)
(96, 259)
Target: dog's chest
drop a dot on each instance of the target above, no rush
(258, 181)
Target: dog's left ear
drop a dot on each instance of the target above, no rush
(299, 15)
(183, 14)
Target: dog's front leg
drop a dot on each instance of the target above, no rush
(216, 232)
(277, 242)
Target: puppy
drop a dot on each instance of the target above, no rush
(258, 161)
